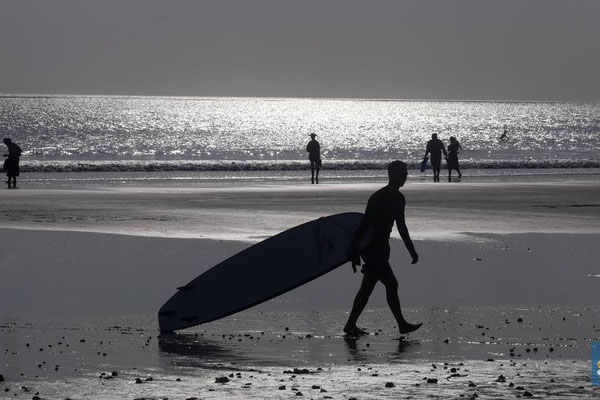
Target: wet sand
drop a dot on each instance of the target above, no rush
(91, 266)
(458, 353)
(253, 211)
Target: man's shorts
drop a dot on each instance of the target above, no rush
(377, 262)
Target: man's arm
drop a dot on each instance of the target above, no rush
(353, 251)
(403, 231)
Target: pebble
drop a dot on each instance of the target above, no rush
(222, 379)
(432, 380)
(391, 384)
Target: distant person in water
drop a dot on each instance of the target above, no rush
(504, 135)
(314, 155)
(452, 158)
(435, 147)
(384, 207)
(11, 163)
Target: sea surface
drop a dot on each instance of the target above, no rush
(262, 138)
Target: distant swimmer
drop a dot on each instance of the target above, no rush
(504, 135)
(452, 158)
(384, 207)
(11, 164)
(435, 147)
(314, 155)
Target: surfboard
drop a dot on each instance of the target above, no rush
(261, 272)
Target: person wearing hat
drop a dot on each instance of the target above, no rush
(11, 164)
(314, 155)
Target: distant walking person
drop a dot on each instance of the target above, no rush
(384, 207)
(504, 135)
(11, 164)
(435, 147)
(314, 155)
(452, 158)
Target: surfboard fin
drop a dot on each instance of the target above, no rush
(167, 313)
(189, 319)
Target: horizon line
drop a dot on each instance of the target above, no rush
(382, 99)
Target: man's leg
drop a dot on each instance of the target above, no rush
(360, 302)
(391, 293)
(317, 174)
(312, 171)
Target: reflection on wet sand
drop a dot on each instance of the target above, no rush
(192, 350)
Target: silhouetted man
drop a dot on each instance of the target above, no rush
(314, 155)
(385, 207)
(11, 164)
(435, 147)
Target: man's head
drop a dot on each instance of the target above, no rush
(312, 135)
(7, 141)
(397, 172)
(434, 136)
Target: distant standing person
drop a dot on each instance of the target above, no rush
(435, 147)
(504, 135)
(384, 207)
(11, 164)
(452, 158)
(314, 155)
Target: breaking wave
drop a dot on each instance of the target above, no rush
(280, 165)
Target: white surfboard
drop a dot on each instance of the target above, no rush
(261, 272)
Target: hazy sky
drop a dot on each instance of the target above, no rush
(443, 49)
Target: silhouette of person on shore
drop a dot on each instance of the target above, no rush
(452, 158)
(435, 147)
(11, 163)
(504, 135)
(314, 155)
(384, 207)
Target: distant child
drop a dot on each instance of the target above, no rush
(314, 155)
(11, 164)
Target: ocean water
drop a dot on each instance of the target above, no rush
(150, 134)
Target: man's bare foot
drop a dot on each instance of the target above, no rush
(408, 328)
(354, 331)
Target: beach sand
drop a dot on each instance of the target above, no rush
(88, 267)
